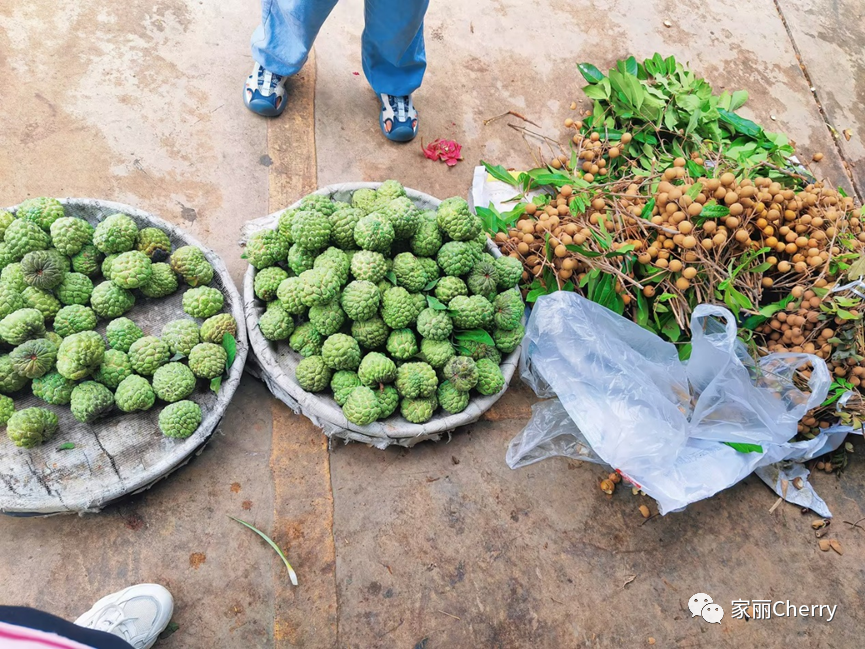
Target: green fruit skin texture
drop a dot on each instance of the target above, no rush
(180, 420)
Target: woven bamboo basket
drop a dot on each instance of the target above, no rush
(277, 361)
(122, 453)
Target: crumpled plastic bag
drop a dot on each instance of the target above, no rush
(624, 398)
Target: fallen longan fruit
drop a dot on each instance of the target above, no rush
(682, 284)
(689, 272)
(569, 122)
(817, 157)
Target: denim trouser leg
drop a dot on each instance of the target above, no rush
(288, 28)
(394, 59)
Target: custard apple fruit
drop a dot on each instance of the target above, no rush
(416, 380)
(80, 354)
(190, 263)
(121, 333)
(147, 354)
(114, 368)
(53, 388)
(173, 382)
(31, 427)
(180, 420)
(131, 269)
(117, 233)
(90, 400)
(207, 360)
(180, 336)
(312, 374)
(203, 302)
(134, 393)
(69, 235)
(109, 300)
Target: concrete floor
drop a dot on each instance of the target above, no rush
(442, 545)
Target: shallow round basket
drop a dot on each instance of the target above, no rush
(278, 361)
(122, 453)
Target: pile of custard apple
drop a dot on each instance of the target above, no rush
(392, 308)
(60, 279)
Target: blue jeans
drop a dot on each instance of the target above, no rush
(394, 59)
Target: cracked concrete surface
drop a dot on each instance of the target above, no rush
(441, 545)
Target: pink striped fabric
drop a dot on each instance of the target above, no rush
(19, 637)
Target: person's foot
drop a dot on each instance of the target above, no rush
(137, 614)
(264, 92)
(398, 119)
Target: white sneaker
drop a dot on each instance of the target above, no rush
(137, 614)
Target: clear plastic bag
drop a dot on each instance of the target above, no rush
(623, 393)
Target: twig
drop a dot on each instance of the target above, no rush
(449, 615)
(856, 524)
(511, 113)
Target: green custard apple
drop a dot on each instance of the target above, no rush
(22, 325)
(30, 427)
(75, 288)
(121, 333)
(173, 382)
(131, 269)
(180, 336)
(266, 283)
(117, 233)
(342, 383)
(207, 360)
(154, 243)
(33, 358)
(275, 324)
(88, 260)
(53, 388)
(180, 420)
(450, 399)
(42, 211)
(114, 368)
(191, 264)
(42, 269)
(134, 393)
(215, 327)
(162, 282)
(109, 300)
(147, 354)
(80, 354)
(312, 374)
(203, 302)
(69, 235)
(90, 401)
(266, 248)
(416, 380)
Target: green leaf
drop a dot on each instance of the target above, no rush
(597, 91)
(431, 285)
(685, 352)
(215, 384)
(630, 65)
(857, 269)
(647, 210)
(694, 190)
(435, 304)
(170, 630)
(590, 72)
(844, 314)
(229, 344)
(534, 294)
(291, 574)
(694, 170)
(391, 277)
(68, 446)
(715, 211)
(744, 448)
(589, 254)
(476, 335)
(738, 100)
(671, 330)
(500, 173)
(178, 356)
(740, 124)
(642, 310)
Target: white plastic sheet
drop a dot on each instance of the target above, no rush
(624, 398)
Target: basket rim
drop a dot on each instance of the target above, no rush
(324, 408)
(182, 452)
